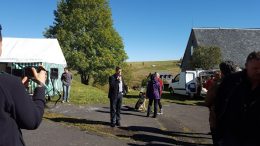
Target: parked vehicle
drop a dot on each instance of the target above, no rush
(166, 78)
(190, 83)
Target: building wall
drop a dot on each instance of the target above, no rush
(186, 60)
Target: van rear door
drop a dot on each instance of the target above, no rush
(179, 84)
(190, 82)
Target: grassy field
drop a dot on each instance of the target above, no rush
(84, 94)
(142, 69)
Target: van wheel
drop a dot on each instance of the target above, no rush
(171, 91)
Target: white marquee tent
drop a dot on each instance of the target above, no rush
(32, 50)
(18, 53)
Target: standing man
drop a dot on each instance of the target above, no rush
(66, 78)
(226, 68)
(116, 91)
(238, 106)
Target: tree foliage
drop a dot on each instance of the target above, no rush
(89, 42)
(206, 57)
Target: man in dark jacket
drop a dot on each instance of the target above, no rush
(17, 109)
(226, 68)
(238, 106)
(116, 91)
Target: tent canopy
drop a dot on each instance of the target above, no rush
(32, 50)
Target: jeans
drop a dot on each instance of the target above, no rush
(66, 92)
(115, 108)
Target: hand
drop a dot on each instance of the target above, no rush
(40, 77)
(24, 80)
(119, 78)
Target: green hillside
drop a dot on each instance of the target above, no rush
(86, 94)
(142, 69)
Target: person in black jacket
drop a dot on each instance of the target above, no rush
(116, 91)
(17, 109)
(238, 106)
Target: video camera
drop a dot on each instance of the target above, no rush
(29, 73)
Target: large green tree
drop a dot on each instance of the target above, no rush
(206, 57)
(85, 32)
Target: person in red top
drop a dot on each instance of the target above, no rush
(209, 82)
(161, 89)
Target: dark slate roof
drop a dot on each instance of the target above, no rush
(235, 44)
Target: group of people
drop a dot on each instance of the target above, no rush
(117, 88)
(233, 101)
(154, 93)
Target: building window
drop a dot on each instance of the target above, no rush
(191, 50)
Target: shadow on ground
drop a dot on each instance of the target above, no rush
(161, 136)
(78, 121)
(126, 110)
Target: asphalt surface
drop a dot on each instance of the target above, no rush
(179, 125)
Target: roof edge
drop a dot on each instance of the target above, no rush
(225, 28)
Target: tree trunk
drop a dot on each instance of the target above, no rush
(85, 78)
(88, 79)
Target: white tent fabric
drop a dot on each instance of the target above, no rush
(32, 50)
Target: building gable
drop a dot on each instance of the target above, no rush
(235, 44)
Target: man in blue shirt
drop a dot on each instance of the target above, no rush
(66, 78)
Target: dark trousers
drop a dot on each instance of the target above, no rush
(115, 108)
(155, 107)
(214, 136)
(159, 103)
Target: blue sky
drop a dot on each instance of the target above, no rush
(152, 30)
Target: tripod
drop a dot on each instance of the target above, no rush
(54, 91)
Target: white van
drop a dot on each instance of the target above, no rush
(189, 82)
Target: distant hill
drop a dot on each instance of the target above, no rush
(142, 69)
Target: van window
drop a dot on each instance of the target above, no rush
(177, 78)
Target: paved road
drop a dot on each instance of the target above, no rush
(179, 125)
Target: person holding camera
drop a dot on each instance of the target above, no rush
(116, 90)
(18, 110)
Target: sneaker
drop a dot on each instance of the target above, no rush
(62, 101)
(160, 112)
(68, 101)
